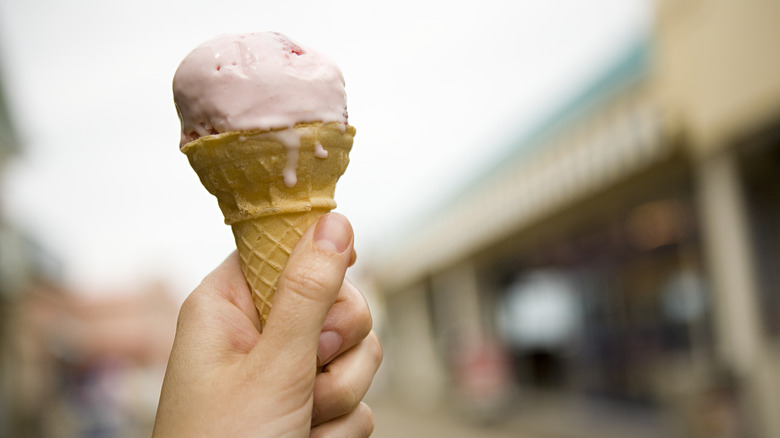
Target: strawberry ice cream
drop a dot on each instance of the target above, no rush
(255, 81)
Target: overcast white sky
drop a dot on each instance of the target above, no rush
(436, 90)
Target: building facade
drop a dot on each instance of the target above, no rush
(625, 255)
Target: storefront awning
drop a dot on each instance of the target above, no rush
(620, 132)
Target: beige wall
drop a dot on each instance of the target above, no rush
(418, 375)
(717, 66)
(718, 73)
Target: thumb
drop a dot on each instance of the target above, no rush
(307, 289)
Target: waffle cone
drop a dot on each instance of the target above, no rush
(246, 171)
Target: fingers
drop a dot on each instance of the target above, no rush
(307, 288)
(345, 381)
(353, 259)
(227, 281)
(220, 312)
(346, 324)
(359, 423)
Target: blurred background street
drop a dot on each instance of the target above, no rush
(567, 213)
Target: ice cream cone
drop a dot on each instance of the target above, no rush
(270, 190)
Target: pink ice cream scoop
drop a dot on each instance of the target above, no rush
(255, 81)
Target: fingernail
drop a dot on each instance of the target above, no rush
(333, 233)
(328, 344)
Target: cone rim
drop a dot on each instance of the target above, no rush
(206, 140)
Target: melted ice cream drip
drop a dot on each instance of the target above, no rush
(291, 140)
(320, 151)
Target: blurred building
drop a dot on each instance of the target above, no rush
(89, 366)
(621, 266)
(73, 366)
(83, 366)
(13, 269)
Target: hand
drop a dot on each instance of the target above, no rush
(225, 378)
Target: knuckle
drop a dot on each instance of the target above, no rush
(307, 282)
(375, 348)
(348, 395)
(367, 417)
(191, 306)
(363, 321)
(191, 313)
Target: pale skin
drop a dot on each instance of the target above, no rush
(225, 378)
